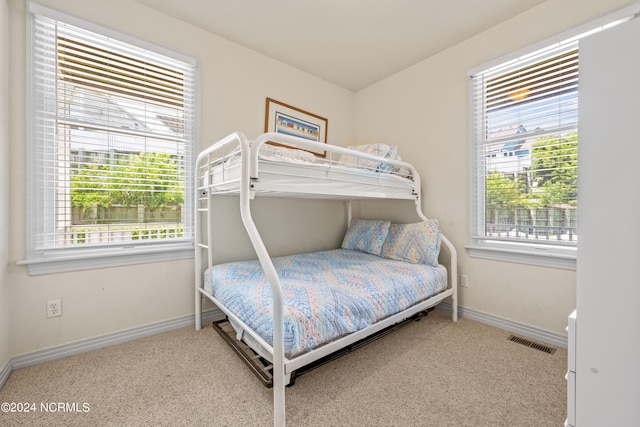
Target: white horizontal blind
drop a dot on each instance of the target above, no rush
(112, 134)
(525, 120)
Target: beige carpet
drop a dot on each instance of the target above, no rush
(429, 373)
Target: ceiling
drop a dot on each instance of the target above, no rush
(352, 43)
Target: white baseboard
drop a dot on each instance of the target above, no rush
(5, 372)
(58, 352)
(83, 346)
(536, 334)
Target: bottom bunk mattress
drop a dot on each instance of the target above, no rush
(327, 294)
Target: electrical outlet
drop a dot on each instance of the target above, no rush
(54, 308)
(464, 281)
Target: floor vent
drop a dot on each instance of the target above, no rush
(532, 344)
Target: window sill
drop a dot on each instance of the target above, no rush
(564, 258)
(96, 258)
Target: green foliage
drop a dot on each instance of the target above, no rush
(555, 169)
(87, 187)
(504, 191)
(554, 177)
(149, 179)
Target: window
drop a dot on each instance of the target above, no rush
(112, 137)
(524, 119)
(525, 124)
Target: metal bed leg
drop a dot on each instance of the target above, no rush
(454, 308)
(198, 311)
(278, 398)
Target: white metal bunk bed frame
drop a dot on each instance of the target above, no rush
(247, 187)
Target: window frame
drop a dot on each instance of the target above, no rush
(56, 260)
(535, 252)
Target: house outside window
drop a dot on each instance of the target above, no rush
(111, 146)
(525, 158)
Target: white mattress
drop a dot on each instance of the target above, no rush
(322, 178)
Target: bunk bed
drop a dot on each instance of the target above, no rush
(378, 267)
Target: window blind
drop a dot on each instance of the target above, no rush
(525, 121)
(112, 141)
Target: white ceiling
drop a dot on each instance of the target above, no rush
(352, 43)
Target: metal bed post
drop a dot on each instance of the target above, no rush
(453, 255)
(453, 273)
(276, 290)
(198, 244)
(203, 194)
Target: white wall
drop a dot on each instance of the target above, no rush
(4, 183)
(423, 109)
(234, 85)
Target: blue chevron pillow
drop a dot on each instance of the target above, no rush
(417, 243)
(366, 235)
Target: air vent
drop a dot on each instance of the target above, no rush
(532, 344)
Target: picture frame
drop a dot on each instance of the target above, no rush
(290, 120)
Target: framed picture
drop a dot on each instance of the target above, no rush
(283, 118)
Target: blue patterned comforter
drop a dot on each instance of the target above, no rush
(327, 294)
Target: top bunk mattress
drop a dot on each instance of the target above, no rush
(287, 171)
(327, 294)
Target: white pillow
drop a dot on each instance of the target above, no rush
(381, 150)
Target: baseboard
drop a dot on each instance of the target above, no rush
(536, 334)
(5, 372)
(91, 344)
(83, 346)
